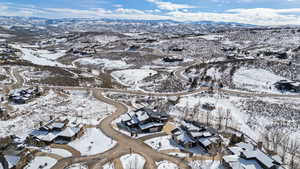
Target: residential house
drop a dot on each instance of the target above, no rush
(245, 155)
(285, 85)
(190, 135)
(143, 120)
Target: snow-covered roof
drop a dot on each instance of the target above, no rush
(126, 117)
(48, 137)
(236, 162)
(183, 137)
(190, 126)
(277, 158)
(69, 132)
(260, 156)
(196, 134)
(12, 160)
(207, 134)
(149, 125)
(142, 116)
(38, 133)
(58, 125)
(236, 150)
(245, 146)
(205, 141)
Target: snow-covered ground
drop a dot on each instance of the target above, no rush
(44, 162)
(208, 164)
(161, 143)
(166, 165)
(258, 80)
(132, 77)
(109, 166)
(58, 151)
(41, 57)
(166, 143)
(179, 155)
(212, 37)
(77, 166)
(238, 118)
(79, 107)
(106, 63)
(135, 161)
(92, 142)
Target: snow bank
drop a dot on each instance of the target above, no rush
(92, 142)
(130, 161)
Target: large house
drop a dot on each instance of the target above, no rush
(22, 96)
(190, 135)
(55, 132)
(246, 156)
(143, 120)
(285, 85)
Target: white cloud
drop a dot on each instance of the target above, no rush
(169, 5)
(129, 11)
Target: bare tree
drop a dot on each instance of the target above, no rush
(285, 147)
(294, 150)
(277, 137)
(227, 117)
(220, 118)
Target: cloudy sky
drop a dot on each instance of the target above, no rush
(259, 12)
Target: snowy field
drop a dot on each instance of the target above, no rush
(105, 63)
(79, 107)
(131, 161)
(258, 80)
(166, 165)
(132, 77)
(41, 57)
(41, 162)
(92, 142)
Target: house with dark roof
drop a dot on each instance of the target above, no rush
(143, 120)
(190, 135)
(248, 156)
(285, 85)
(22, 96)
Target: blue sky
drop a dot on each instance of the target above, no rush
(260, 12)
